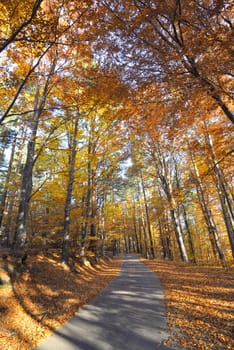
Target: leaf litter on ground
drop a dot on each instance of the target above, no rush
(45, 296)
(200, 304)
(199, 301)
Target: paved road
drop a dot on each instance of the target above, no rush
(128, 315)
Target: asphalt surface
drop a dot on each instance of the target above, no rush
(128, 315)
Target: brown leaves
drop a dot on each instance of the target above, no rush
(199, 303)
(47, 296)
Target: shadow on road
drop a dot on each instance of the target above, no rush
(128, 315)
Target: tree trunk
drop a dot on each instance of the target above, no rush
(224, 199)
(152, 253)
(87, 206)
(71, 176)
(213, 234)
(26, 180)
(6, 185)
(84, 229)
(162, 173)
(165, 241)
(143, 225)
(190, 238)
(138, 241)
(179, 235)
(26, 184)
(12, 196)
(93, 246)
(184, 213)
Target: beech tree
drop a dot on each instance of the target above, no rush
(112, 131)
(21, 14)
(222, 188)
(26, 181)
(185, 44)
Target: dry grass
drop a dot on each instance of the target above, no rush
(200, 304)
(45, 296)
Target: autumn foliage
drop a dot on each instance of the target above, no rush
(115, 128)
(36, 304)
(199, 301)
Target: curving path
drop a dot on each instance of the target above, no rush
(128, 315)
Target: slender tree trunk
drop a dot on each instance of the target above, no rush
(179, 234)
(168, 236)
(138, 242)
(26, 184)
(184, 213)
(7, 180)
(26, 180)
(162, 172)
(126, 241)
(190, 238)
(87, 207)
(143, 225)
(162, 239)
(12, 196)
(213, 234)
(152, 253)
(103, 233)
(71, 177)
(93, 246)
(84, 229)
(224, 199)
(141, 237)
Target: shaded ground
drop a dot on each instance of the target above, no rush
(200, 304)
(46, 296)
(128, 315)
(199, 301)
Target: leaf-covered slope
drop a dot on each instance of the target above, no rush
(45, 297)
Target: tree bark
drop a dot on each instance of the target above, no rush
(162, 173)
(26, 180)
(190, 238)
(7, 180)
(224, 199)
(143, 225)
(87, 205)
(71, 177)
(152, 252)
(213, 234)
(184, 213)
(138, 240)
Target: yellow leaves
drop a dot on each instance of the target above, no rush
(4, 24)
(22, 68)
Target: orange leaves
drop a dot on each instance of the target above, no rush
(38, 304)
(199, 304)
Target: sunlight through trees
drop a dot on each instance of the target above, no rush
(116, 129)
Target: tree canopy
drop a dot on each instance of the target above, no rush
(116, 125)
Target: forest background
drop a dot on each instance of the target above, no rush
(116, 125)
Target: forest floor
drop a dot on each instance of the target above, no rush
(45, 296)
(199, 301)
(200, 304)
